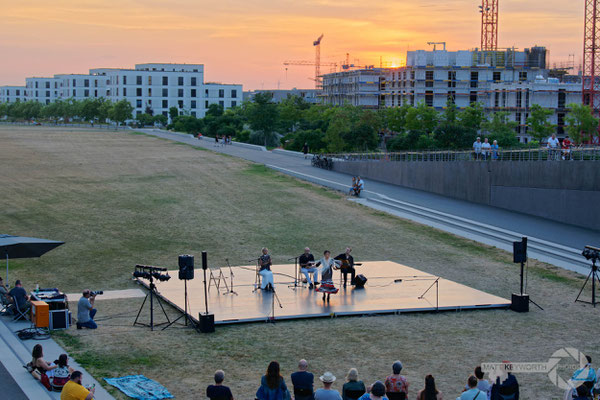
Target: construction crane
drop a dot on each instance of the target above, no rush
(312, 64)
(489, 25)
(591, 56)
(317, 44)
(435, 43)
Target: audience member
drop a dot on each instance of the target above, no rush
(38, 363)
(472, 393)
(582, 393)
(477, 148)
(352, 191)
(396, 383)
(303, 382)
(585, 374)
(326, 392)
(86, 310)
(360, 186)
(272, 384)
(218, 391)
(485, 148)
(3, 288)
(430, 392)
(377, 392)
(63, 372)
(483, 384)
(566, 148)
(74, 390)
(353, 388)
(18, 296)
(507, 389)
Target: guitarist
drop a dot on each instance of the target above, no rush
(347, 265)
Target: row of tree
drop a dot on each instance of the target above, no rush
(294, 122)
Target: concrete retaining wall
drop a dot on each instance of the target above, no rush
(563, 191)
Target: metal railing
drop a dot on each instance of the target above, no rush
(576, 153)
(64, 125)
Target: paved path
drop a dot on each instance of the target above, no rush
(526, 225)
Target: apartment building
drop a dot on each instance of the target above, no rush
(43, 90)
(12, 94)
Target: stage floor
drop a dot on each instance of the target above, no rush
(381, 295)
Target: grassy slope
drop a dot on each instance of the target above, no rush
(119, 199)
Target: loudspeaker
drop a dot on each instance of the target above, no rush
(520, 302)
(204, 261)
(60, 319)
(520, 251)
(207, 322)
(186, 267)
(359, 281)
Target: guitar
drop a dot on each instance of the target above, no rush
(345, 264)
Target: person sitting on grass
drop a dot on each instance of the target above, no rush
(218, 391)
(272, 384)
(353, 388)
(74, 390)
(326, 392)
(38, 363)
(483, 384)
(303, 382)
(63, 372)
(430, 392)
(377, 392)
(472, 393)
(396, 383)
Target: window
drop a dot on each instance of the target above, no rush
(149, 80)
(519, 98)
(193, 93)
(74, 93)
(518, 118)
(221, 93)
(47, 93)
(18, 92)
(233, 103)
(562, 97)
(95, 93)
(222, 103)
(86, 92)
(124, 79)
(206, 92)
(36, 84)
(180, 103)
(193, 81)
(165, 104)
(138, 80)
(474, 79)
(165, 113)
(233, 93)
(74, 83)
(451, 79)
(497, 77)
(522, 76)
(194, 114)
(193, 104)
(138, 92)
(452, 97)
(527, 98)
(180, 81)
(138, 103)
(124, 91)
(428, 78)
(165, 92)
(165, 80)
(412, 75)
(496, 98)
(429, 98)
(560, 123)
(179, 92)
(473, 97)
(206, 104)
(95, 83)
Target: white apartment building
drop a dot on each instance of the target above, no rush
(43, 90)
(12, 94)
(81, 86)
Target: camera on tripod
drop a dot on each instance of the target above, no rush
(96, 292)
(591, 253)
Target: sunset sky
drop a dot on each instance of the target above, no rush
(247, 41)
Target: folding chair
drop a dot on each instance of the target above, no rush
(303, 394)
(354, 394)
(396, 395)
(20, 314)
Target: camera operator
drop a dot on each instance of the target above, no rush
(86, 310)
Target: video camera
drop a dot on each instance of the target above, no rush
(591, 253)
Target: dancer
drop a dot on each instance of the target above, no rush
(265, 271)
(327, 287)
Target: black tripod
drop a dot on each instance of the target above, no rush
(151, 292)
(185, 315)
(594, 275)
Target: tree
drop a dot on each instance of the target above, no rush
(188, 124)
(173, 113)
(3, 109)
(539, 127)
(161, 119)
(144, 119)
(472, 117)
(422, 119)
(501, 129)
(121, 111)
(581, 122)
(291, 111)
(262, 115)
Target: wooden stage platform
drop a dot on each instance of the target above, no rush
(391, 288)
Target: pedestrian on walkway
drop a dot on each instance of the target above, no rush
(553, 146)
(486, 147)
(305, 150)
(495, 149)
(477, 148)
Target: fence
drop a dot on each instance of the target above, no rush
(64, 125)
(576, 153)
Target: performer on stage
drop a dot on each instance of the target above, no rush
(265, 263)
(347, 265)
(307, 266)
(327, 287)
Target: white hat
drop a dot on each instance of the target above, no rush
(327, 377)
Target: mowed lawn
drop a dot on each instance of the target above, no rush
(118, 199)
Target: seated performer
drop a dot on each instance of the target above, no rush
(327, 287)
(347, 265)
(265, 271)
(307, 266)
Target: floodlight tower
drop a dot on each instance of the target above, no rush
(489, 25)
(317, 44)
(591, 56)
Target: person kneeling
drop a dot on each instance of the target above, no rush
(86, 310)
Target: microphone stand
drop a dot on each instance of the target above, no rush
(275, 297)
(256, 277)
(295, 285)
(230, 291)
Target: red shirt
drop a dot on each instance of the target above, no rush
(566, 144)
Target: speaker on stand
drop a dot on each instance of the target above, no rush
(207, 321)
(186, 273)
(520, 301)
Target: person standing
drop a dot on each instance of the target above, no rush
(265, 271)
(495, 149)
(327, 287)
(218, 391)
(74, 390)
(303, 382)
(347, 265)
(552, 146)
(477, 148)
(486, 148)
(307, 267)
(326, 392)
(86, 310)
(305, 150)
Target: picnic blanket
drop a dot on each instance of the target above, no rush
(140, 387)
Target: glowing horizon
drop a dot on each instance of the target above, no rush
(248, 41)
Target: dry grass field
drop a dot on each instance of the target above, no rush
(120, 198)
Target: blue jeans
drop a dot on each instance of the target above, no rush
(90, 324)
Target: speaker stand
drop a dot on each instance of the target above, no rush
(185, 315)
